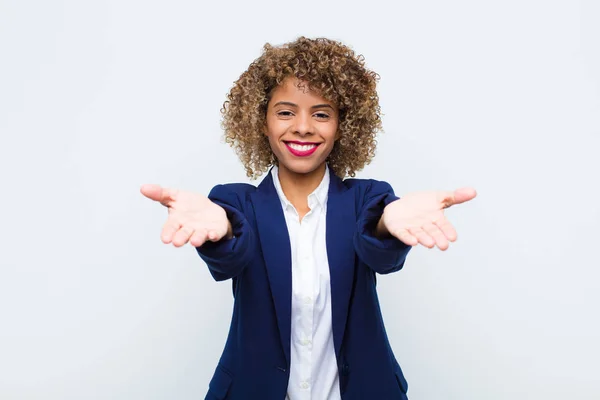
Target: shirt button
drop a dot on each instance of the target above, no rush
(304, 385)
(307, 300)
(305, 342)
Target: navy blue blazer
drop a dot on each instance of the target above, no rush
(255, 363)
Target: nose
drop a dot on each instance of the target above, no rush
(303, 124)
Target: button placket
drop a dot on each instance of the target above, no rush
(310, 296)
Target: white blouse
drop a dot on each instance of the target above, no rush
(313, 369)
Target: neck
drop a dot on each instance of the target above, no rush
(297, 186)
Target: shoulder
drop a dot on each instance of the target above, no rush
(235, 194)
(369, 190)
(368, 186)
(236, 188)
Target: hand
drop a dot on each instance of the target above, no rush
(419, 217)
(192, 217)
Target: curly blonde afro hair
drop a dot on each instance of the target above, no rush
(333, 71)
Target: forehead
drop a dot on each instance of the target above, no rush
(298, 91)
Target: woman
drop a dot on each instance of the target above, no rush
(304, 247)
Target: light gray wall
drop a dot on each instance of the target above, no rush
(97, 98)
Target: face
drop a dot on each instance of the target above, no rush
(301, 127)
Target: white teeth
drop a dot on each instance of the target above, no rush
(302, 147)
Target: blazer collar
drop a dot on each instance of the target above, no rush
(341, 227)
(318, 195)
(275, 243)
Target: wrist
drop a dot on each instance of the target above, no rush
(229, 234)
(381, 230)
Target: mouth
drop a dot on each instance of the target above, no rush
(301, 149)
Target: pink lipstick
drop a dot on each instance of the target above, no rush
(301, 149)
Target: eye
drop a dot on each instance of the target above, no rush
(321, 115)
(284, 113)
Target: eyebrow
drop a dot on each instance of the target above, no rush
(290, 104)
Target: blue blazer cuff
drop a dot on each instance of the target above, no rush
(228, 257)
(382, 255)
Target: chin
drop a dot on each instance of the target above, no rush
(301, 167)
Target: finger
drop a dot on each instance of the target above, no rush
(199, 237)
(169, 229)
(447, 229)
(213, 236)
(151, 191)
(437, 235)
(422, 237)
(164, 196)
(182, 236)
(458, 196)
(404, 236)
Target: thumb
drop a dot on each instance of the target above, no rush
(458, 196)
(157, 193)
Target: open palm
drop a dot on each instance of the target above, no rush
(419, 217)
(192, 217)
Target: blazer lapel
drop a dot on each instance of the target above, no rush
(341, 225)
(275, 243)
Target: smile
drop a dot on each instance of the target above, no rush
(300, 149)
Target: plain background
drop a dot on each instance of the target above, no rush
(99, 97)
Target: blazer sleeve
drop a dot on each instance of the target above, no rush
(228, 258)
(381, 255)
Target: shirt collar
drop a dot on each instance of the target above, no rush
(319, 195)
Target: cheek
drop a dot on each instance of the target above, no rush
(274, 128)
(273, 142)
(335, 133)
(266, 126)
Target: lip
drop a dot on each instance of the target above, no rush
(301, 153)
